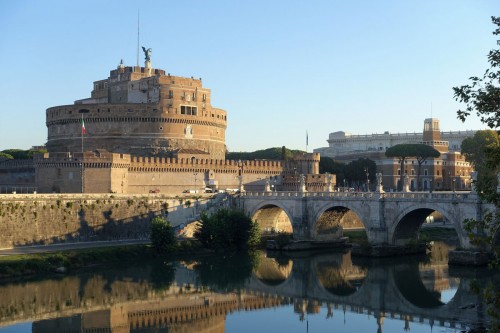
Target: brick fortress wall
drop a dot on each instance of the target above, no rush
(46, 219)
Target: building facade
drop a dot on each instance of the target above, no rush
(448, 172)
(145, 131)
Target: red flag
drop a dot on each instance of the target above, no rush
(84, 131)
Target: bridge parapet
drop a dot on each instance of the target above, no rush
(407, 196)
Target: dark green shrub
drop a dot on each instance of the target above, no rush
(162, 235)
(228, 229)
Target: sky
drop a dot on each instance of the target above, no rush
(280, 68)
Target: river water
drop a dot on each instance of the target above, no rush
(263, 292)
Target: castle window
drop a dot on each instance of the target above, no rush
(426, 173)
(189, 110)
(170, 94)
(204, 97)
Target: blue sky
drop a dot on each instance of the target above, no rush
(278, 67)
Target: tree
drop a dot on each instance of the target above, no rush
(482, 94)
(423, 152)
(356, 171)
(402, 152)
(227, 229)
(5, 156)
(326, 164)
(480, 150)
(20, 154)
(162, 235)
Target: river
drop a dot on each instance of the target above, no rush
(263, 292)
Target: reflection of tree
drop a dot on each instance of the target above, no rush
(227, 271)
(162, 275)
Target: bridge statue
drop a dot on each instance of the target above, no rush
(473, 185)
(302, 184)
(406, 183)
(268, 185)
(328, 182)
(147, 54)
(379, 187)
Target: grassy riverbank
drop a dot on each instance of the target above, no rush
(26, 265)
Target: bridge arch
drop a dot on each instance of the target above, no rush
(272, 217)
(332, 214)
(406, 224)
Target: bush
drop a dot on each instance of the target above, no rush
(162, 235)
(228, 229)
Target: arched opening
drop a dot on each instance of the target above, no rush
(340, 221)
(340, 277)
(272, 220)
(273, 271)
(425, 225)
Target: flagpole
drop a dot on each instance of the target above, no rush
(307, 140)
(81, 160)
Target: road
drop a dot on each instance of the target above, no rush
(68, 246)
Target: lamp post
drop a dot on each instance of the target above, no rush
(195, 188)
(295, 179)
(454, 180)
(344, 184)
(430, 186)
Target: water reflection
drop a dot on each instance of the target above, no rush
(218, 294)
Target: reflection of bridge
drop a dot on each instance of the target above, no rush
(378, 287)
(389, 218)
(143, 298)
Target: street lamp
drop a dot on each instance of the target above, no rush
(454, 180)
(295, 179)
(430, 186)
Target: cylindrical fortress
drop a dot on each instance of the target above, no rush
(140, 111)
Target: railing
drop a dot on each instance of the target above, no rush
(449, 195)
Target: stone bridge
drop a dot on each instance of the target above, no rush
(388, 218)
(402, 289)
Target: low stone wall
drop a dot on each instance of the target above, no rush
(54, 218)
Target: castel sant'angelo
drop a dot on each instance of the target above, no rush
(145, 131)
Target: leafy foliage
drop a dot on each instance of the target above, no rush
(327, 164)
(420, 152)
(481, 151)
(265, 154)
(482, 94)
(6, 156)
(354, 173)
(228, 229)
(162, 235)
(238, 268)
(20, 154)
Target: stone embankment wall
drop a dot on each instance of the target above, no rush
(54, 218)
